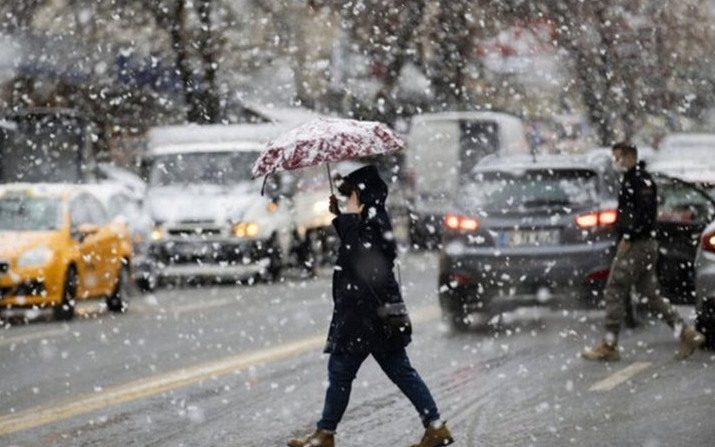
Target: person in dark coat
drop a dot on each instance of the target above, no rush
(635, 260)
(363, 279)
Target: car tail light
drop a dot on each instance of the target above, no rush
(709, 242)
(454, 222)
(458, 279)
(599, 275)
(593, 219)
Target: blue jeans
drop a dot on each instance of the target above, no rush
(342, 369)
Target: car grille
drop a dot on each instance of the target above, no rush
(29, 288)
(194, 231)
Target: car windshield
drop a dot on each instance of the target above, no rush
(30, 214)
(209, 168)
(497, 190)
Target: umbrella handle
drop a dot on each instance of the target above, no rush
(330, 178)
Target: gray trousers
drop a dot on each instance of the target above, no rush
(636, 266)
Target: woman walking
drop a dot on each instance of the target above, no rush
(362, 281)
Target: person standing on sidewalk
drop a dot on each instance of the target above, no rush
(363, 279)
(635, 261)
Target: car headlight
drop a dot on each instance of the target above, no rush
(157, 234)
(246, 229)
(36, 256)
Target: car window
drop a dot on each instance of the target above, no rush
(117, 205)
(683, 203)
(477, 139)
(97, 214)
(495, 190)
(79, 214)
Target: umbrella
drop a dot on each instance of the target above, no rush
(325, 140)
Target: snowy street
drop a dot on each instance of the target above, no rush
(242, 366)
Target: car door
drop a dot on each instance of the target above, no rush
(87, 266)
(684, 210)
(107, 254)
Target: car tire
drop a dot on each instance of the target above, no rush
(118, 301)
(272, 273)
(145, 285)
(65, 310)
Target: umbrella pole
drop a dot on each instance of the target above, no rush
(330, 178)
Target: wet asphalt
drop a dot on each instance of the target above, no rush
(242, 366)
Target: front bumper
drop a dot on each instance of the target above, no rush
(491, 280)
(31, 286)
(228, 257)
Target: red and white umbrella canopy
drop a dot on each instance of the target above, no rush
(326, 140)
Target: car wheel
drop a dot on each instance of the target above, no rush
(273, 271)
(65, 310)
(145, 284)
(118, 301)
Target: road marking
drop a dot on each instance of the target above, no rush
(149, 386)
(29, 337)
(201, 305)
(619, 377)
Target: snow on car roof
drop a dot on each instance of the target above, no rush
(105, 191)
(523, 163)
(280, 120)
(236, 146)
(688, 139)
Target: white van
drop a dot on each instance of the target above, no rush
(444, 147)
(208, 216)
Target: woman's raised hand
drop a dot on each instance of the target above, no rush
(334, 208)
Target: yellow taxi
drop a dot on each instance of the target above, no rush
(58, 246)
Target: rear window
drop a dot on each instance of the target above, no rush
(498, 190)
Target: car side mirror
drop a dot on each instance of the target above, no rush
(85, 230)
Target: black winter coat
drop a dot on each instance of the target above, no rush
(364, 276)
(637, 205)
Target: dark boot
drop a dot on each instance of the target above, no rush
(690, 340)
(435, 437)
(320, 438)
(604, 352)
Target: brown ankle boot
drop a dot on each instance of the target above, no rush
(320, 438)
(690, 340)
(604, 352)
(435, 437)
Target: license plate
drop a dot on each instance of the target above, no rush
(528, 238)
(189, 250)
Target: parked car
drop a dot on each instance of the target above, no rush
(705, 286)
(57, 246)
(442, 148)
(209, 219)
(541, 231)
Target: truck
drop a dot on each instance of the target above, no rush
(209, 219)
(442, 149)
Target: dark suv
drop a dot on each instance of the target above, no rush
(541, 231)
